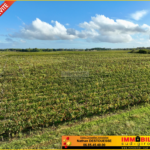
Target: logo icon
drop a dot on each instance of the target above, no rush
(66, 142)
(5, 6)
(137, 139)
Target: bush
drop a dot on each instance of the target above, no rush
(144, 51)
(133, 51)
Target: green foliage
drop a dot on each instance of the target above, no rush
(144, 51)
(133, 51)
(54, 50)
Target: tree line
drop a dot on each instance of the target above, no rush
(61, 49)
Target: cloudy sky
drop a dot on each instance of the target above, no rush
(75, 24)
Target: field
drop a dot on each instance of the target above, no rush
(36, 97)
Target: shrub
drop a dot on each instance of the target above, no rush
(133, 51)
(144, 51)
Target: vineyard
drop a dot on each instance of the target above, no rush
(34, 93)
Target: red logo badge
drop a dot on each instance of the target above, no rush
(5, 6)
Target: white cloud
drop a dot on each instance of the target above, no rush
(99, 29)
(146, 26)
(44, 31)
(139, 14)
(67, 24)
(104, 29)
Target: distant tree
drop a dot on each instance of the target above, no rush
(144, 51)
(28, 50)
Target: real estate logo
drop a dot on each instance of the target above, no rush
(5, 6)
(136, 139)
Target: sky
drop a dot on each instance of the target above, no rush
(76, 24)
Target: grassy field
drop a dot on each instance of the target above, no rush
(38, 105)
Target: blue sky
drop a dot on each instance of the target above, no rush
(76, 24)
